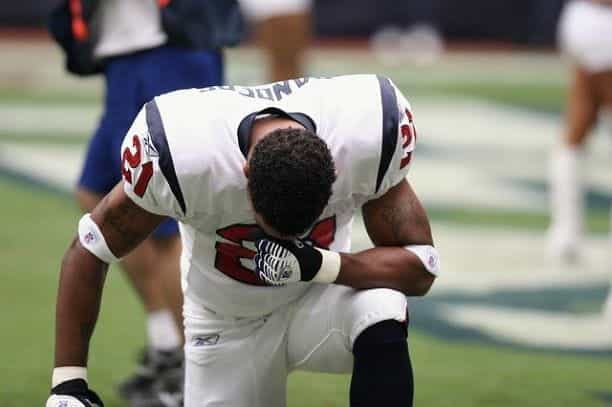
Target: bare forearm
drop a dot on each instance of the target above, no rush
(395, 220)
(78, 302)
(385, 267)
(123, 225)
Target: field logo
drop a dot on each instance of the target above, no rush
(565, 318)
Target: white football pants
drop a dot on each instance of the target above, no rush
(245, 361)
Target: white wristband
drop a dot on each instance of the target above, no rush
(92, 239)
(428, 256)
(65, 373)
(330, 267)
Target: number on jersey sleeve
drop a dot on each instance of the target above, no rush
(145, 181)
(133, 169)
(408, 133)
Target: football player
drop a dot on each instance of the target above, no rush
(585, 34)
(264, 182)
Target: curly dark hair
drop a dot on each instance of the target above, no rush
(291, 172)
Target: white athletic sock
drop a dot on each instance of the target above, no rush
(162, 332)
(566, 199)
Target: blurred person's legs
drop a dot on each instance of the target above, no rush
(585, 34)
(282, 29)
(566, 195)
(154, 267)
(604, 89)
(590, 99)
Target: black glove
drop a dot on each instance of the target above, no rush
(279, 262)
(73, 393)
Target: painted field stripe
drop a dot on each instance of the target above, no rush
(29, 118)
(55, 165)
(535, 328)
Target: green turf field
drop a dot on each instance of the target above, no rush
(455, 364)
(448, 373)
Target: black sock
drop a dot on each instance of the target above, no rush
(382, 372)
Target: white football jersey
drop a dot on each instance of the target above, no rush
(184, 156)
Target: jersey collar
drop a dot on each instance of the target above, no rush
(245, 126)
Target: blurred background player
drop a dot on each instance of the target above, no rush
(585, 35)
(282, 29)
(137, 46)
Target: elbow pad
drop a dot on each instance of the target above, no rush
(428, 256)
(92, 239)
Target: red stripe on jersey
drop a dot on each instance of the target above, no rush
(324, 232)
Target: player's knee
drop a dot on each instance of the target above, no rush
(372, 306)
(381, 298)
(380, 303)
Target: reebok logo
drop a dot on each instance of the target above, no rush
(206, 340)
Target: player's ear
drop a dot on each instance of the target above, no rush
(245, 169)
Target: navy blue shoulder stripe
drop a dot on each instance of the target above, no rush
(390, 121)
(158, 136)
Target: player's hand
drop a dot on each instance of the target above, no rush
(279, 262)
(73, 393)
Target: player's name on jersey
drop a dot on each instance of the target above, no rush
(273, 91)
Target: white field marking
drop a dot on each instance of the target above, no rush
(56, 165)
(533, 327)
(485, 260)
(440, 182)
(44, 119)
(481, 147)
(477, 260)
(482, 125)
